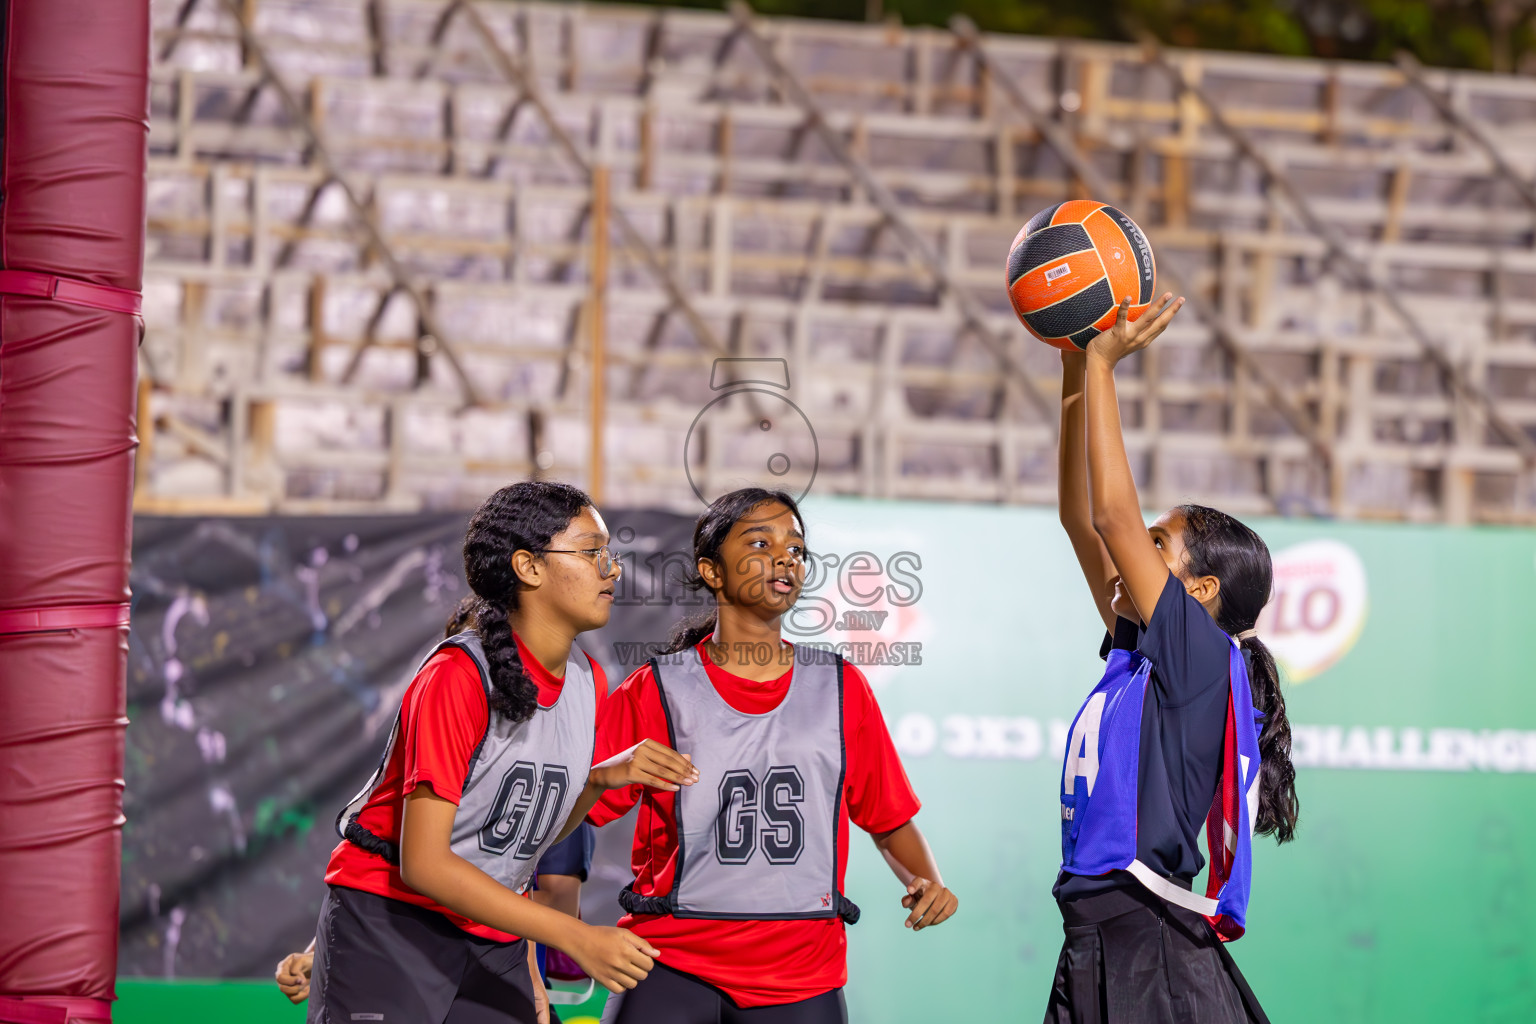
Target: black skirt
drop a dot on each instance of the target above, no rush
(378, 959)
(1130, 958)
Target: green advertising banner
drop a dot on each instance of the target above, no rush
(1407, 895)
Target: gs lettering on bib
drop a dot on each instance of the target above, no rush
(523, 780)
(1099, 780)
(757, 834)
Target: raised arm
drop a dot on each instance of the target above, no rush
(1113, 502)
(1072, 487)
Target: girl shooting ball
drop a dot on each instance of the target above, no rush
(1187, 725)
(740, 878)
(488, 765)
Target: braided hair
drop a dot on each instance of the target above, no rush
(462, 618)
(523, 516)
(709, 535)
(1220, 546)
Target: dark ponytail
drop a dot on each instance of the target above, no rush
(709, 534)
(1220, 546)
(462, 618)
(520, 517)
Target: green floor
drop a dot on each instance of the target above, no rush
(244, 1002)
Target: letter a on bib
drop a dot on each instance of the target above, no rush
(1083, 748)
(1101, 763)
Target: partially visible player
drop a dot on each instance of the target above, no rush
(562, 872)
(558, 881)
(293, 973)
(740, 878)
(1187, 727)
(490, 762)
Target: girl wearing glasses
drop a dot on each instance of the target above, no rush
(1187, 727)
(490, 763)
(740, 877)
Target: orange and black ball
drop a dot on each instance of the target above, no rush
(1070, 266)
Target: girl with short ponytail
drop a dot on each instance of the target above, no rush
(740, 878)
(489, 764)
(1186, 728)
(710, 533)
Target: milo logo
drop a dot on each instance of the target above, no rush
(1318, 608)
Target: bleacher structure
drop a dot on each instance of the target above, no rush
(390, 240)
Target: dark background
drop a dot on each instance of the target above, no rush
(267, 657)
(1491, 35)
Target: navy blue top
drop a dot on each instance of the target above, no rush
(1183, 724)
(571, 855)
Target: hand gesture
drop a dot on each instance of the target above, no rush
(293, 976)
(615, 958)
(929, 902)
(648, 763)
(1124, 338)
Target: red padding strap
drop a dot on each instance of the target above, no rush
(71, 616)
(77, 293)
(14, 1011)
(52, 1010)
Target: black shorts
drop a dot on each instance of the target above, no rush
(1130, 958)
(672, 997)
(378, 959)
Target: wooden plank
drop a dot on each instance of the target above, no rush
(597, 323)
(200, 506)
(144, 423)
(1175, 191)
(318, 338)
(1397, 199)
(191, 367)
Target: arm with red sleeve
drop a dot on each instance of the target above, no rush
(631, 715)
(881, 802)
(628, 758)
(443, 720)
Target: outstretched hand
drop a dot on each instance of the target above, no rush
(648, 763)
(1124, 338)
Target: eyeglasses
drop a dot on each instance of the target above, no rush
(606, 562)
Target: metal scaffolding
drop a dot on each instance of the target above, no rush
(374, 279)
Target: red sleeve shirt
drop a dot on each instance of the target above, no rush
(443, 717)
(757, 963)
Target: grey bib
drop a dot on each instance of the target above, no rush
(757, 834)
(523, 782)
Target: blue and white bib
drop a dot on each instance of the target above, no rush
(1100, 786)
